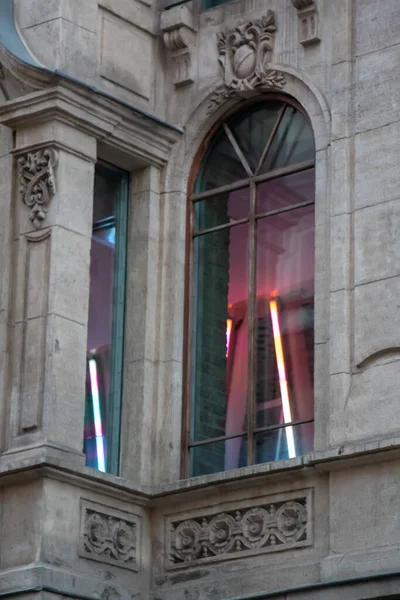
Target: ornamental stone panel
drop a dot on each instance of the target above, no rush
(236, 530)
(109, 535)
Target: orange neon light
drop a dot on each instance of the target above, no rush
(228, 334)
(287, 414)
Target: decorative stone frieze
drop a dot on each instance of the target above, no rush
(109, 535)
(244, 54)
(179, 37)
(268, 524)
(37, 182)
(308, 21)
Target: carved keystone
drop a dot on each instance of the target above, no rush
(244, 54)
(37, 182)
(179, 37)
(308, 21)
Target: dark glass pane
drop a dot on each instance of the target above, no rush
(286, 442)
(221, 209)
(286, 191)
(293, 143)
(285, 317)
(220, 334)
(218, 456)
(101, 319)
(253, 129)
(221, 166)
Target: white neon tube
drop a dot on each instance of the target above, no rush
(287, 414)
(98, 429)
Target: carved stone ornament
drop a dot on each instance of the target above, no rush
(266, 527)
(37, 182)
(109, 536)
(179, 36)
(308, 21)
(244, 53)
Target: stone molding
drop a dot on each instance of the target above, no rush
(268, 524)
(119, 127)
(244, 54)
(179, 37)
(308, 21)
(110, 536)
(37, 182)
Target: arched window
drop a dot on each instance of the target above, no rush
(251, 340)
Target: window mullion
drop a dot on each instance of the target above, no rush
(251, 328)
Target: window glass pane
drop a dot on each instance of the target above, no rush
(221, 166)
(218, 456)
(285, 317)
(286, 442)
(220, 334)
(104, 318)
(286, 191)
(221, 209)
(252, 131)
(293, 143)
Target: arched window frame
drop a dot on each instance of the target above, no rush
(252, 180)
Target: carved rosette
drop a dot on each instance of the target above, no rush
(37, 182)
(308, 21)
(109, 537)
(263, 528)
(244, 54)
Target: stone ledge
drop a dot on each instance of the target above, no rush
(39, 463)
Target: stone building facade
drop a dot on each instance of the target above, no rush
(144, 87)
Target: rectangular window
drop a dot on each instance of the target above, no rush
(106, 319)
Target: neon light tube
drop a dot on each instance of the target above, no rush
(228, 335)
(98, 429)
(287, 415)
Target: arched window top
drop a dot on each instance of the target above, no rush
(266, 137)
(251, 336)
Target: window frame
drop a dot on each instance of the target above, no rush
(120, 221)
(192, 197)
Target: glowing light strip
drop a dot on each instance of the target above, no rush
(98, 429)
(287, 415)
(228, 335)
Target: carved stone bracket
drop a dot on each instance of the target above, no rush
(266, 525)
(179, 37)
(109, 535)
(37, 182)
(308, 21)
(244, 54)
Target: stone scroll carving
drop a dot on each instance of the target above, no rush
(109, 536)
(308, 21)
(271, 525)
(179, 38)
(37, 182)
(244, 54)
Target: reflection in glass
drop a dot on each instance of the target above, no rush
(221, 209)
(105, 302)
(277, 194)
(217, 456)
(293, 143)
(285, 442)
(220, 335)
(222, 166)
(253, 129)
(285, 317)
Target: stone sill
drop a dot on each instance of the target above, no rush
(16, 469)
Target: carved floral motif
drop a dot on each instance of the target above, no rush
(109, 538)
(37, 182)
(244, 54)
(267, 527)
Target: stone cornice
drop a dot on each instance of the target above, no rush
(121, 128)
